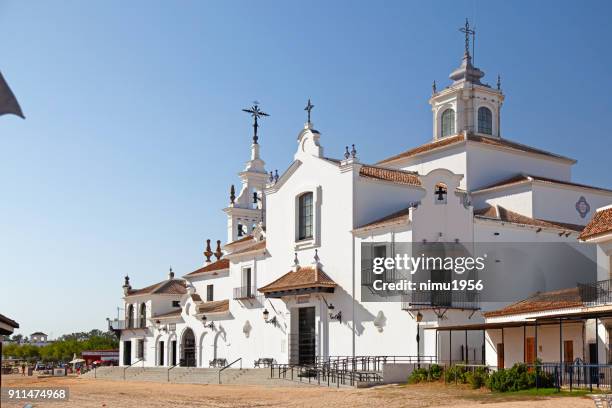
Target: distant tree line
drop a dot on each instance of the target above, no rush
(62, 349)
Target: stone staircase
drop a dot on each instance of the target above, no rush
(193, 375)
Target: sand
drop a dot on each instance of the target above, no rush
(107, 393)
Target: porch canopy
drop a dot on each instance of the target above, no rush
(308, 279)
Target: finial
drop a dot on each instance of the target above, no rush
(296, 262)
(276, 175)
(126, 281)
(316, 257)
(346, 153)
(467, 31)
(433, 87)
(308, 108)
(353, 152)
(170, 273)
(256, 113)
(232, 194)
(218, 252)
(271, 178)
(498, 82)
(208, 252)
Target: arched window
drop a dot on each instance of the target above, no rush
(448, 122)
(485, 121)
(142, 321)
(130, 316)
(305, 216)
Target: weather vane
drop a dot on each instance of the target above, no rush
(256, 113)
(308, 108)
(468, 31)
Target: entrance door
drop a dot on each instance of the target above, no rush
(306, 335)
(593, 359)
(189, 359)
(161, 353)
(530, 351)
(500, 355)
(127, 353)
(173, 352)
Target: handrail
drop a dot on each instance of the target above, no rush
(135, 362)
(229, 365)
(168, 371)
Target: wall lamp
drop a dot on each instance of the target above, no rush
(332, 316)
(210, 325)
(273, 320)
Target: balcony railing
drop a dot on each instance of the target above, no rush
(245, 292)
(117, 324)
(440, 299)
(596, 293)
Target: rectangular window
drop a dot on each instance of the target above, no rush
(209, 293)
(247, 282)
(176, 303)
(305, 216)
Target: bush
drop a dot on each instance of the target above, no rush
(434, 373)
(455, 373)
(519, 377)
(477, 378)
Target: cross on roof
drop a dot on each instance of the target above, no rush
(256, 113)
(441, 192)
(308, 108)
(467, 31)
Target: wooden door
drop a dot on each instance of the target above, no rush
(500, 355)
(530, 350)
(568, 351)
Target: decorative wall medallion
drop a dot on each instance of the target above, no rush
(582, 207)
(246, 329)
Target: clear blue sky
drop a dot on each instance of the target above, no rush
(134, 130)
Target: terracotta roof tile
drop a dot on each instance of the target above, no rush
(491, 141)
(395, 176)
(541, 301)
(525, 178)
(601, 223)
(214, 267)
(217, 306)
(501, 214)
(305, 277)
(261, 245)
(167, 287)
(174, 313)
(240, 241)
(397, 216)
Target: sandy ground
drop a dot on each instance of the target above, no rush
(106, 393)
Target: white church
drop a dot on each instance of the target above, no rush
(286, 286)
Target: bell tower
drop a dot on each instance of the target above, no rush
(467, 104)
(246, 210)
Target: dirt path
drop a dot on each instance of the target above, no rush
(105, 393)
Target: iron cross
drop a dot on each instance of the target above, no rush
(441, 192)
(256, 113)
(308, 108)
(467, 31)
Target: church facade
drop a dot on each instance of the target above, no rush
(286, 285)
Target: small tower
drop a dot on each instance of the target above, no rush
(467, 105)
(246, 210)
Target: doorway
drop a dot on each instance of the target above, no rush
(530, 350)
(189, 355)
(127, 353)
(161, 353)
(306, 336)
(173, 353)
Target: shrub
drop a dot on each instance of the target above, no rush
(519, 377)
(435, 372)
(477, 378)
(455, 372)
(418, 375)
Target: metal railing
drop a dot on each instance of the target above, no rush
(245, 292)
(228, 366)
(322, 375)
(571, 375)
(117, 324)
(369, 363)
(168, 371)
(449, 299)
(131, 365)
(596, 293)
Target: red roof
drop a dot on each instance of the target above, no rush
(452, 140)
(214, 267)
(397, 216)
(395, 176)
(217, 306)
(167, 287)
(541, 301)
(261, 245)
(305, 277)
(526, 178)
(499, 213)
(600, 224)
